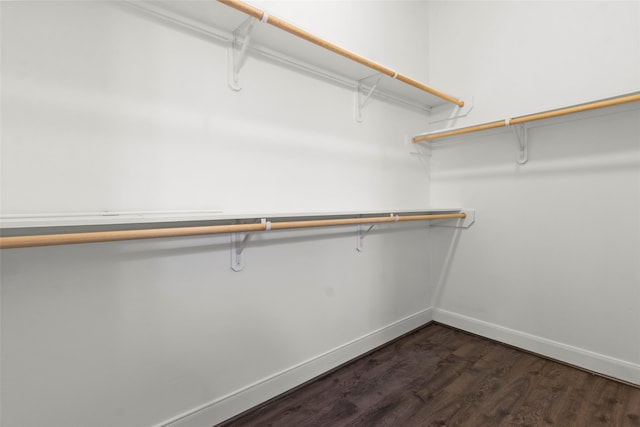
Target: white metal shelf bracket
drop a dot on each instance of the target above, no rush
(456, 113)
(361, 233)
(521, 133)
(238, 243)
(465, 222)
(366, 87)
(418, 150)
(363, 230)
(238, 51)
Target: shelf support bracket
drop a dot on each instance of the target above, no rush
(456, 113)
(366, 87)
(237, 52)
(361, 234)
(521, 134)
(238, 243)
(363, 230)
(418, 150)
(460, 223)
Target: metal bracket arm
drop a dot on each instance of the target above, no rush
(418, 150)
(521, 133)
(363, 94)
(456, 113)
(465, 222)
(363, 230)
(238, 243)
(238, 51)
(361, 234)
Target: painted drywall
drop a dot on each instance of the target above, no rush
(140, 333)
(106, 110)
(142, 113)
(553, 261)
(382, 31)
(515, 58)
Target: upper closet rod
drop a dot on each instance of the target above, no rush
(296, 31)
(111, 236)
(532, 117)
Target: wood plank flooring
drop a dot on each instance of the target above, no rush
(440, 376)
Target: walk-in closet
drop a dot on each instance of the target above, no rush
(319, 213)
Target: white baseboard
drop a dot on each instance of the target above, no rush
(239, 401)
(580, 357)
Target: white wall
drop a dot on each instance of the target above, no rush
(392, 33)
(553, 261)
(105, 110)
(519, 57)
(144, 115)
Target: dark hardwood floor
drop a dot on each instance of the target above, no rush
(440, 376)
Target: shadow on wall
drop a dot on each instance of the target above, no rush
(444, 242)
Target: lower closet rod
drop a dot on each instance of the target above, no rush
(111, 236)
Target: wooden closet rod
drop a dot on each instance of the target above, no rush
(296, 31)
(111, 236)
(532, 117)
